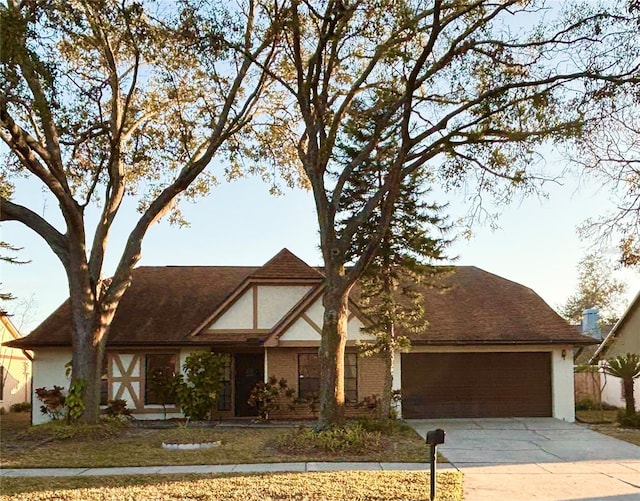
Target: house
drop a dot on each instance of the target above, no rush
(15, 367)
(493, 347)
(623, 338)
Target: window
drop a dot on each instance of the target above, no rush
(309, 376)
(160, 368)
(224, 398)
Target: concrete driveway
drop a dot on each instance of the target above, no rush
(520, 459)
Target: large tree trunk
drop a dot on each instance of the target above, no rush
(331, 354)
(90, 325)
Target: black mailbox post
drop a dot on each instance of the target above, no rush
(434, 438)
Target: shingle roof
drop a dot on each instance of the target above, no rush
(478, 307)
(164, 305)
(286, 265)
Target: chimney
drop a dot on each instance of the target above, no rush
(590, 325)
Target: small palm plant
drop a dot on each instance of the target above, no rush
(627, 368)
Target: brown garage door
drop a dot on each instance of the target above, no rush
(452, 385)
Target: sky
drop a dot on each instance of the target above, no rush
(240, 223)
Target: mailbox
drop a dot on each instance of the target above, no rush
(435, 437)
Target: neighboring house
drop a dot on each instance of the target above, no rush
(15, 367)
(623, 338)
(493, 347)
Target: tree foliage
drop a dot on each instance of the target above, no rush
(597, 288)
(7, 255)
(389, 291)
(471, 89)
(610, 154)
(197, 387)
(627, 368)
(107, 103)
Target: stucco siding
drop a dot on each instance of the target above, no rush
(16, 368)
(628, 339)
(48, 371)
(275, 301)
(238, 316)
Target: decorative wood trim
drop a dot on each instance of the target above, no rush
(255, 307)
(213, 332)
(315, 326)
(296, 312)
(13, 357)
(158, 410)
(308, 344)
(126, 379)
(244, 286)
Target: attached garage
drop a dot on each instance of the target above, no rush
(472, 384)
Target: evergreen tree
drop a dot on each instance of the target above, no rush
(6, 248)
(410, 247)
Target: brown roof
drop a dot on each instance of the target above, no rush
(478, 307)
(164, 305)
(286, 265)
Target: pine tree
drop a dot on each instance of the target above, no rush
(405, 262)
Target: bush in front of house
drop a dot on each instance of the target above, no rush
(197, 388)
(268, 396)
(117, 408)
(53, 401)
(629, 420)
(21, 407)
(352, 438)
(586, 404)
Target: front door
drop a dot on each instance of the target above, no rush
(249, 371)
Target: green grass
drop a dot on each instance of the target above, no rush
(597, 416)
(605, 422)
(56, 445)
(352, 485)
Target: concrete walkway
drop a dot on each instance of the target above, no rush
(224, 468)
(541, 458)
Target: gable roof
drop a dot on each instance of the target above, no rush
(286, 266)
(168, 305)
(608, 341)
(478, 307)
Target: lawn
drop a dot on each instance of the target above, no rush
(41, 446)
(352, 485)
(605, 422)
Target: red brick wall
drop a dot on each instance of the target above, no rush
(283, 363)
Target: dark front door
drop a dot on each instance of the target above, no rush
(249, 369)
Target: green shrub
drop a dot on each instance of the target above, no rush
(268, 396)
(3, 411)
(52, 401)
(117, 407)
(387, 427)
(629, 421)
(21, 407)
(197, 389)
(349, 439)
(586, 404)
(75, 400)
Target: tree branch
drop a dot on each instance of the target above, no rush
(56, 240)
